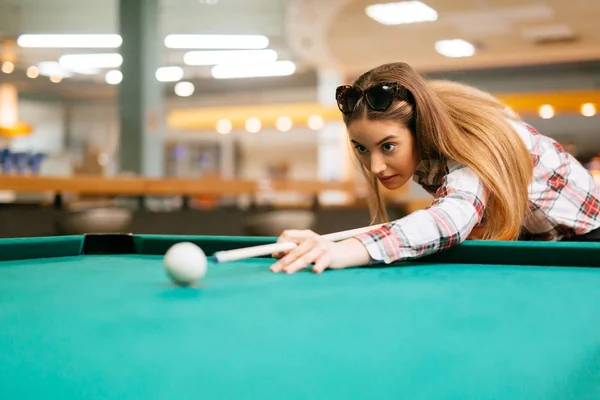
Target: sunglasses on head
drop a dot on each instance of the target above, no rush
(378, 97)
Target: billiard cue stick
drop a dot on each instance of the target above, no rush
(273, 248)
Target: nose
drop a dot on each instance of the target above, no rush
(377, 165)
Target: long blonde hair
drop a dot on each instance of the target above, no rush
(452, 121)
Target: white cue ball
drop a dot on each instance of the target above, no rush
(185, 263)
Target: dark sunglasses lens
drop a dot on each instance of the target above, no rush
(380, 97)
(347, 99)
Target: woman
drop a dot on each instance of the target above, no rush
(493, 177)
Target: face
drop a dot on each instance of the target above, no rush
(385, 148)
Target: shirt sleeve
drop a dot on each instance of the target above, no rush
(457, 208)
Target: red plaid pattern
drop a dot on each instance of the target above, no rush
(564, 201)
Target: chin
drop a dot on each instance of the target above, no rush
(397, 183)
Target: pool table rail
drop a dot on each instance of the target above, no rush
(561, 254)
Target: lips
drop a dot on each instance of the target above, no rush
(386, 179)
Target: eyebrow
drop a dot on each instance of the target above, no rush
(385, 139)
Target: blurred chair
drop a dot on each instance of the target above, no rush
(94, 220)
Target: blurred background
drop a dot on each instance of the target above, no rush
(218, 116)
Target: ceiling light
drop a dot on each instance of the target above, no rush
(315, 122)
(283, 124)
(229, 56)
(169, 74)
(70, 41)
(406, 12)
(588, 110)
(32, 72)
(230, 71)
(113, 77)
(253, 125)
(546, 111)
(7, 67)
(85, 71)
(52, 68)
(90, 61)
(216, 41)
(548, 33)
(184, 89)
(455, 48)
(224, 126)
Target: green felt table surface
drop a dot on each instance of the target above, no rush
(111, 326)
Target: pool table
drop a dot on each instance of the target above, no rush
(96, 317)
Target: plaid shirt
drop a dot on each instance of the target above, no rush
(564, 201)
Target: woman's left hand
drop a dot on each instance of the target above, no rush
(311, 249)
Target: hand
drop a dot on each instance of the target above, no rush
(311, 249)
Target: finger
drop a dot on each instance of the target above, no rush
(283, 261)
(283, 238)
(294, 254)
(280, 254)
(299, 236)
(303, 261)
(277, 267)
(322, 263)
(290, 257)
(293, 235)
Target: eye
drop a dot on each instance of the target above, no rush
(388, 147)
(360, 149)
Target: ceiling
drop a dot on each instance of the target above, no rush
(505, 32)
(17, 17)
(264, 17)
(318, 34)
